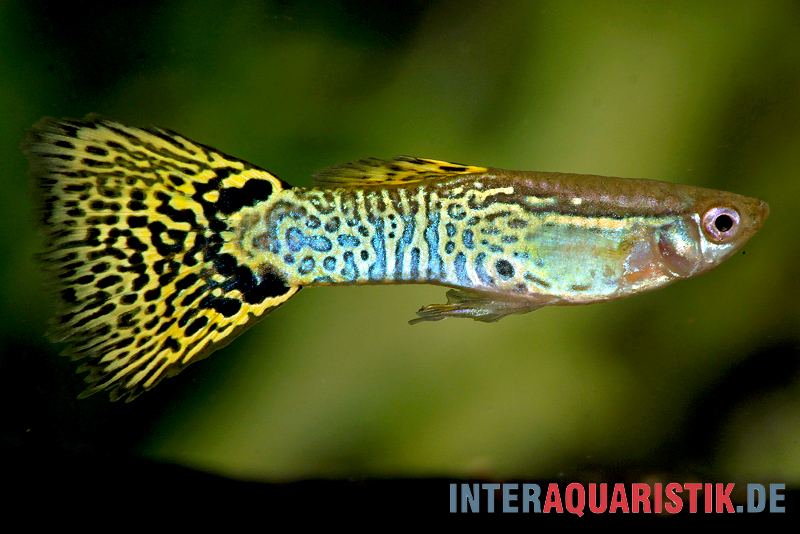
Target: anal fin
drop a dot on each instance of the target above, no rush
(474, 305)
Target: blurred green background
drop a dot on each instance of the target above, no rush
(699, 381)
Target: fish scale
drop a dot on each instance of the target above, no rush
(162, 250)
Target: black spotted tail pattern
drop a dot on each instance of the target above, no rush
(139, 227)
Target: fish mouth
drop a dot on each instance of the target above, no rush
(764, 210)
(758, 216)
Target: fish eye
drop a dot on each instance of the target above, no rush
(723, 223)
(720, 223)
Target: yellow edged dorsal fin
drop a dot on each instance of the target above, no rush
(398, 171)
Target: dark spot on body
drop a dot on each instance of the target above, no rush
(536, 280)
(348, 241)
(307, 265)
(313, 222)
(456, 212)
(467, 239)
(333, 224)
(233, 199)
(504, 268)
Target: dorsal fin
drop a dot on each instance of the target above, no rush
(397, 171)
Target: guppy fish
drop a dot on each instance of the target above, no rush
(164, 249)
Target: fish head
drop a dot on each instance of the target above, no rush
(715, 227)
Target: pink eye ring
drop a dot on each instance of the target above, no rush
(721, 223)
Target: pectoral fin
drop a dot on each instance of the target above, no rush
(477, 306)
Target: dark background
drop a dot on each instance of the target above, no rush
(696, 382)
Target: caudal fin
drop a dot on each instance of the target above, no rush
(140, 230)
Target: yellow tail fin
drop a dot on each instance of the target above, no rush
(139, 233)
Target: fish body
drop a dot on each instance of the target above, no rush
(520, 238)
(165, 249)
